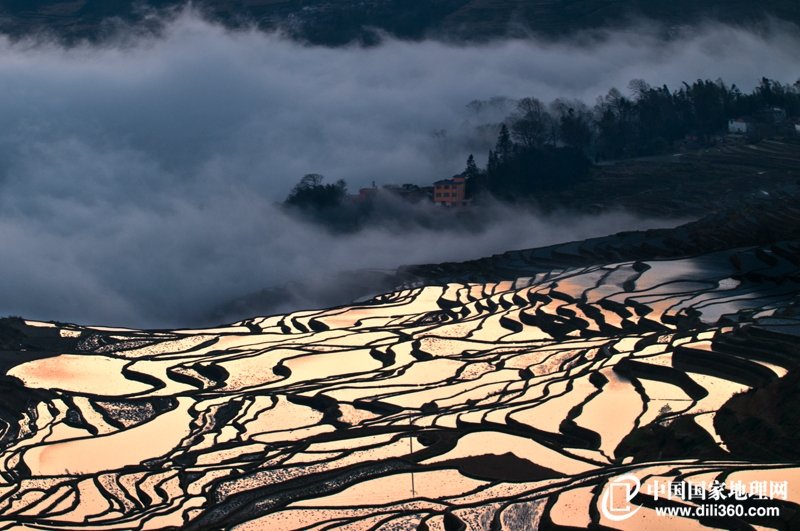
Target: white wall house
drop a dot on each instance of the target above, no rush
(737, 126)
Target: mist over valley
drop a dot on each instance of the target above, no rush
(140, 175)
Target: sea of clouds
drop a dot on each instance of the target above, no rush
(139, 175)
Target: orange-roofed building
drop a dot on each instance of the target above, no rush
(450, 192)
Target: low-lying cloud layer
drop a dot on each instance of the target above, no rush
(138, 179)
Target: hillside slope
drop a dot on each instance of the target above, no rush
(506, 404)
(334, 23)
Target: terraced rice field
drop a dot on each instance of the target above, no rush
(688, 184)
(495, 405)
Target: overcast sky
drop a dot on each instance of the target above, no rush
(137, 180)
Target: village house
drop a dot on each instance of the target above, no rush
(411, 193)
(766, 122)
(365, 194)
(738, 126)
(450, 192)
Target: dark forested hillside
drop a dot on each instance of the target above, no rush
(332, 23)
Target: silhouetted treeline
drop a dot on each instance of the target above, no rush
(330, 205)
(541, 148)
(519, 170)
(655, 118)
(321, 203)
(650, 121)
(311, 193)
